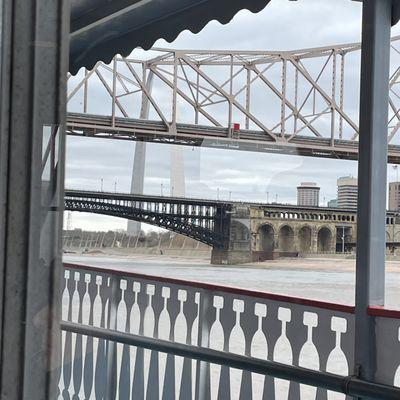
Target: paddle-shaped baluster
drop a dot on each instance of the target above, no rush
(337, 362)
(101, 355)
(283, 354)
(309, 357)
(137, 327)
(77, 300)
(259, 349)
(123, 368)
(164, 331)
(67, 316)
(88, 318)
(190, 312)
(180, 336)
(150, 357)
(216, 343)
(237, 344)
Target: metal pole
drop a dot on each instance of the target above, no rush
(393, 231)
(114, 90)
(372, 169)
(342, 239)
(34, 60)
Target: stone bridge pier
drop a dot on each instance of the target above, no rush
(260, 233)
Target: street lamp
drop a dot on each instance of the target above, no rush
(343, 239)
(101, 185)
(394, 227)
(162, 189)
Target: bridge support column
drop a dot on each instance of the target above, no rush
(235, 227)
(372, 170)
(314, 240)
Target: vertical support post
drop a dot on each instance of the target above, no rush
(114, 90)
(283, 102)
(341, 94)
(196, 119)
(33, 75)
(248, 97)
(333, 104)
(85, 92)
(230, 105)
(372, 170)
(296, 100)
(174, 110)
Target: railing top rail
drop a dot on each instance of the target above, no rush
(144, 197)
(383, 312)
(219, 288)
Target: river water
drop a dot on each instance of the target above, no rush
(321, 279)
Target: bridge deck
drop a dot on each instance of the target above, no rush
(206, 202)
(213, 137)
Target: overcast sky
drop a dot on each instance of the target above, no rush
(283, 25)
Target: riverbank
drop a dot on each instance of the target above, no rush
(322, 263)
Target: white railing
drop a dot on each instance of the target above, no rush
(309, 334)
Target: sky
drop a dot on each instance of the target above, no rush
(212, 173)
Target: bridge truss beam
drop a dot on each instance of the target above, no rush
(295, 102)
(194, 220)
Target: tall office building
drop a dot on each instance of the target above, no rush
(332, 203)
(347, 189)
(394, 196)
(308, 194)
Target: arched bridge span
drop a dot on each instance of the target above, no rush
(201, 220)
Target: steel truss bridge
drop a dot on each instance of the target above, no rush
(201, 220)
(301, 102)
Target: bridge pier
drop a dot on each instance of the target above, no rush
(238, 247)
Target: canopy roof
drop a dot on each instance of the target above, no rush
(102, 28)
